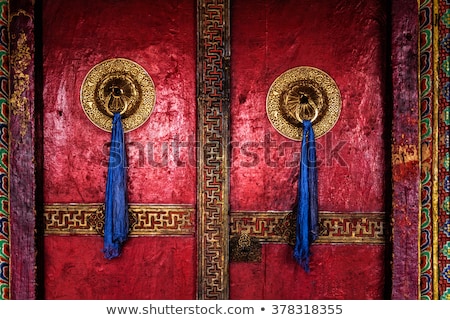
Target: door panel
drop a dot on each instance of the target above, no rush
(160, 36)
(346, 39)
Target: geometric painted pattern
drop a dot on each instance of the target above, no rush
(213, 114)
(446, 273)
(173, 220)
(4, 214)
(446, 227)
(434, 44)
(446, 250)
(446, 295)
(145, 220)
(334, 227)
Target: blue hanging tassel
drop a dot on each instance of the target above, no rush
(116, 204)
(307, 213)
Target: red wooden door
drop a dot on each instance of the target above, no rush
(347, 40)
(158, 260)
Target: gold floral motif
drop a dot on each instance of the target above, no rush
(20, 61)
(303, 93)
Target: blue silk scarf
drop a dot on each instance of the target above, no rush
(116, 204)
(307, 213)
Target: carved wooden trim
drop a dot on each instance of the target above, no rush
(334, 227)
(257, 228)
(145, 220)
(213, 112)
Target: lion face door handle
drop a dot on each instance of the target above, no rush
(118, 86)
(303, 93)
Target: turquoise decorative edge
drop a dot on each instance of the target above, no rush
(426, 146)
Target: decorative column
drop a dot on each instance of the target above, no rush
(404, 150)
(213, 112)
(22, 153)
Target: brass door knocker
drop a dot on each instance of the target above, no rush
(116, 101)
(118, 86)
(304, 103)
(306, 107)
(303, 93)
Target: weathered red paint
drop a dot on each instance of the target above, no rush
(160, 36)
(75, 40)
(351, 272)
(149, 268)
(405, 158)
(272, 37)
(348, 41)
(22, 152)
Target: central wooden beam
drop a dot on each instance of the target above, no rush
(213, 114)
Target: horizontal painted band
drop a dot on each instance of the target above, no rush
(174, 220)
(334, 227)
(87, 219)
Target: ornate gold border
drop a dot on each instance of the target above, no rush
(435, 156)
(335, 227)
(213, 135)
(267, 227)
(85, 219)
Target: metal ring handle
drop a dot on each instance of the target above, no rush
(316, 114)
(108, 111)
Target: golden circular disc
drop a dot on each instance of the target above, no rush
(286, 95)
(118, 85)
